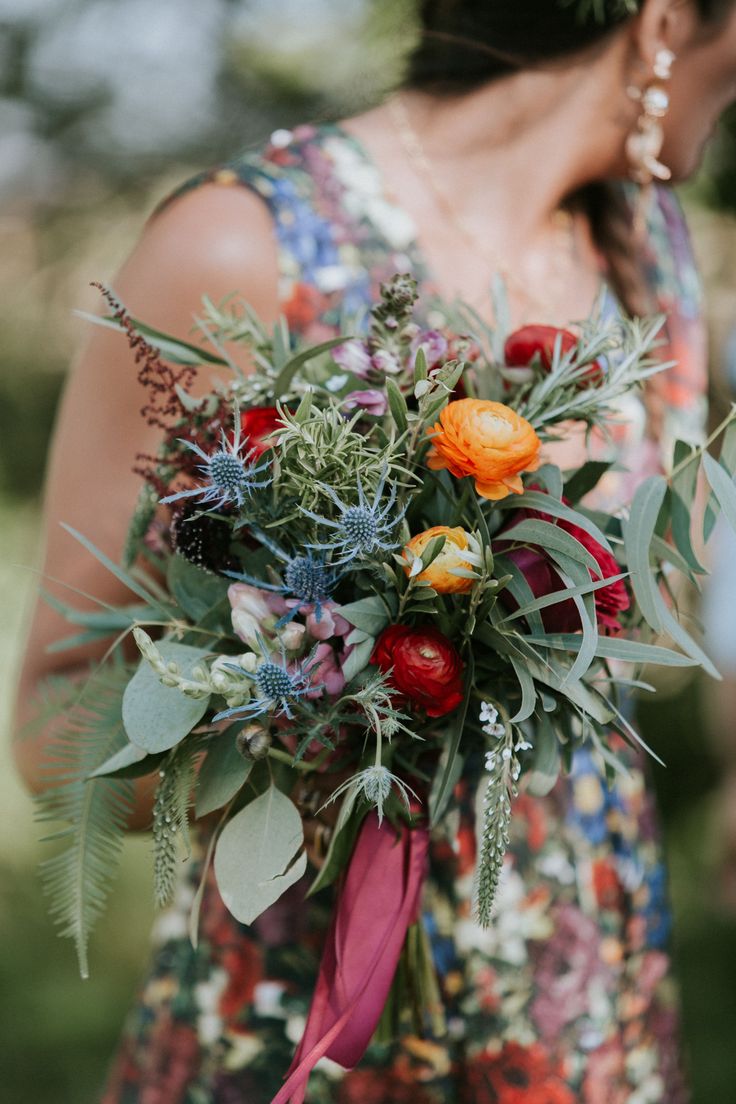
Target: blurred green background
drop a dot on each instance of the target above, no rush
(104, 106)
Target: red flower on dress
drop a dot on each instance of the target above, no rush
(256, 426)
(523, 345)
(607, 885)
(378, 1086)
(516, 1075)
(425, 667)
(305, 305)
(242, 962)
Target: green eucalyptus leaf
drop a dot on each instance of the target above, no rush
(358, 659)
(196, 591)
(585, 479)
(158, 717)
(368, 614)
(638, 534)
(223, 772)
(727, 460)
(451, 764)
(259, 855)
(528, 690)
(617, 647)
(283, 381)
(546, 504)
(550, 537)
(723, 488)
(179, 352)
(130, 762)
(351, 816)
(682, 498)
(585, 605)
(544, 769)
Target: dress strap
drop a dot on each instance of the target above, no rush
(338, 236)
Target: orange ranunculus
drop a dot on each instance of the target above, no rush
(438, 574)
(487, 440)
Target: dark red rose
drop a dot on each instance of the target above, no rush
(256, 425)
(523, 345)
(541, 575)
(425, 667)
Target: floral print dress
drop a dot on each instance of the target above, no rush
(568, 996)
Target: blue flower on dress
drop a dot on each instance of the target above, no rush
(230, 474)
(362, 530)
(278, 686)
(657, 909)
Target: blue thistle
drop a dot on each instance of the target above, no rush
(230, 475)
(306, 578)
(277, 688)
(362, 530)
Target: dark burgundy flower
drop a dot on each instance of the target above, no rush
(541, 574)
(523, 345)
(425, 666)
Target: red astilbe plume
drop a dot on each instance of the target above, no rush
(163, 407)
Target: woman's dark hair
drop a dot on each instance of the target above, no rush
(466, 43)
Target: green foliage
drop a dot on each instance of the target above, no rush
(259, 855)
(171, 819)
(223, 773)
(93, 812)
(327, 451)
(156, 716)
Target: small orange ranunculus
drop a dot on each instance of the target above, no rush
(439, 574)
(487, 440)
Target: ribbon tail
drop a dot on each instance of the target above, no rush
(379, 900)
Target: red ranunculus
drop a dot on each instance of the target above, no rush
(425, 667)
(541, 575)
(257, 424)
(530, 341)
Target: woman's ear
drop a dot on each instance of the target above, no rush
(664, 25)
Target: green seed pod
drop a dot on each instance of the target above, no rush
(253, 742)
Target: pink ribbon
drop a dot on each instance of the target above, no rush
(379, 900)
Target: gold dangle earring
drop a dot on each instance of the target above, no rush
(644, 144)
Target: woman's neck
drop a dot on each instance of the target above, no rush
(519, 146)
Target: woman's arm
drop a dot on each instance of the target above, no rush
(213, 241)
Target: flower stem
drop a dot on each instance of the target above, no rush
(702, 449)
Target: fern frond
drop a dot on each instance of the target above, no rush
(92, 813)
(171, 818)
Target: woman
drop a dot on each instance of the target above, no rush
(505, 152)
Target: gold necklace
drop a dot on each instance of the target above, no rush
(564, 221)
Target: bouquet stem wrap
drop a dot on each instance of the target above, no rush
(379, 900)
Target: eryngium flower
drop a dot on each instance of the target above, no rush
(361, 530)
(278, 686)
(376, 783)
(230, 475)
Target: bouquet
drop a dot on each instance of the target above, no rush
(361, 562)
